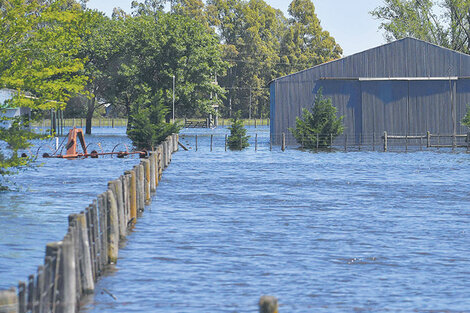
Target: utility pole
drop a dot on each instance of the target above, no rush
(173, 99)
(250, 105)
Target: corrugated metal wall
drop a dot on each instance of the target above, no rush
(400, 107)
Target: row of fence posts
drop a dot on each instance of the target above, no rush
(428, 137)
(385, 138)
(72, 266)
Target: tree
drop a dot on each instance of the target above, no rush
(237, 140)
(466, 119)
(38, 48)
(419, 19)
(305, 43)
(261, 44)
(250, 32)
(148, 127)
(166, 45)
(318, 126)
(102, 45)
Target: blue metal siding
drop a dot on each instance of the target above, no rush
(384, 105)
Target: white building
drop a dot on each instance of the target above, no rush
(6, 110)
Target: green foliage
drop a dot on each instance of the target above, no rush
(261, 44)
(321, 121)
(16, 138)
(444, 22)
(38, 47)
(237, 140)
(466, 119)
(148, 128)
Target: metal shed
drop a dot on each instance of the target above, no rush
(406, 87)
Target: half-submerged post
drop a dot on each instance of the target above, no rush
(428, 139)
(87, 283)
(113, 225)
(147, 179)
(283, 147)
(9, 301)
(268, 304)
(385, 141)
(68, 286)
(468, 141)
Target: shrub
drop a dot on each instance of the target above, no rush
(147, 127)
(237, 140)
(319, 123)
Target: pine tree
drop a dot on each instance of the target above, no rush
(320, 124)
(237, 140)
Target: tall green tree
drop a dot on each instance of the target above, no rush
(250, 32)
(261, 44)
(319, 125)
(445, 22)
(102, 48)
(305, 43)
(38, 58)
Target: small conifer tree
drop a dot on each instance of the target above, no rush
(466, 119)
(319, 124)
(237, 140)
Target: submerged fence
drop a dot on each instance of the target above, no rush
(73, 265)
(329, 142)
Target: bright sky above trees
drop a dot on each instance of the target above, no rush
(349, 22)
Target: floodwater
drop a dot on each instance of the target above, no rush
(323, 232)
(35, 212)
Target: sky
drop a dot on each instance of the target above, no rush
(348, 21)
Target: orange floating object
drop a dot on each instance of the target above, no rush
(75, 135)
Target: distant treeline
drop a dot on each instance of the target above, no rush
(243, 45)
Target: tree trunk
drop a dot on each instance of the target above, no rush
(128, 112)
(89, 115)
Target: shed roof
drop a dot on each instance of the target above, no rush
(407, 57)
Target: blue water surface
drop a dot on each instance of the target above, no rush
(323, 232)
(36, 209)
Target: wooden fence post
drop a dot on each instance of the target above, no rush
(30, 299)
(67, 288)
(268, 304)
(126, 181)
(146, 165)
(138, 189)
(164, 154)
(103, 216)
(160, 162)
(45, 301)
(468, 141)
(88, 285)
(133, 195)
(96, 238)
(385, 142)
(283, 146)
(22, 291)
(8, 301)
(39, 289)
(116, 187)
(141, 187)
(113, 232)
(53, 251)
(74, 235)
(152, 173)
